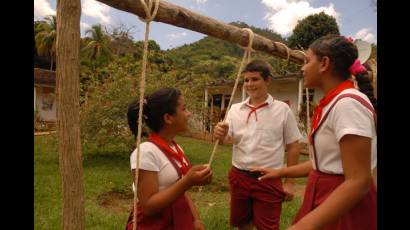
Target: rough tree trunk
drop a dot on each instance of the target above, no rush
(181, 17)
(69, 145)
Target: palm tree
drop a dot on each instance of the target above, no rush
(97, 47)
(45, 37)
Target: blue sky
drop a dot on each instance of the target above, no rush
(356, 18)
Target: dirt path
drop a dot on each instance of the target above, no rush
(43, 133)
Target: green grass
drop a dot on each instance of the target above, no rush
(107, 172)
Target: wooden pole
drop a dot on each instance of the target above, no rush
(68, 113)
(178, 16)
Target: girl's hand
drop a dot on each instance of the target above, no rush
(267, 173)
(289, 190)
(199, 175)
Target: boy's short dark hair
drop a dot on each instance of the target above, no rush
(260, 66)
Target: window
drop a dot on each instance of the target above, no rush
(311, 94)
(47, 103)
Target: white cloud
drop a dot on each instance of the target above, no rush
(283, 15)
(365, 35)
(97, 10)
(177, 36)
(42, 8)
(84, 26)
(200, 1)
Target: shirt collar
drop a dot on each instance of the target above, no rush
(269, 100)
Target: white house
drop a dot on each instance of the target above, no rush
(44, 94)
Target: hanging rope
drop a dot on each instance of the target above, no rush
(246, 58)
(286, 47)
(301, 52)
(287, 54)
(307, 95)
(149, 17)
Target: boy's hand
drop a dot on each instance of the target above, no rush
(221, 130)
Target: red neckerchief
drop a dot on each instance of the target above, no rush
(326, 100)
(253, 110)
(178, 155)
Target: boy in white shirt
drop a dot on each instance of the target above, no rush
(261, 128)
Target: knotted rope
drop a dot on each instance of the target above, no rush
(149, 17)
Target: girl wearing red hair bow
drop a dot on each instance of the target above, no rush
(340, 192)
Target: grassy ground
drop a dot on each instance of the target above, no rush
(108, 191)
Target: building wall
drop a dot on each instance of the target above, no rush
(46, 103)
(287, 92)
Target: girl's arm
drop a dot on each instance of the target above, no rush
(299, 170)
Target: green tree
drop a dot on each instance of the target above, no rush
(311, 28)
(45, 37)
(97, 49)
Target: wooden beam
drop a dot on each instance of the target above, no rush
(178, 16)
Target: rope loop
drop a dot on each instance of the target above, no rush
(148, 15)
(286, 47)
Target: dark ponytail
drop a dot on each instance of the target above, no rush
(366, 87)
(342, 53)
(132, 115)
(156, 105)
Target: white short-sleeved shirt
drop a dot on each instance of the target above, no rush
(153, 159)
(348, 116)
(261, 143)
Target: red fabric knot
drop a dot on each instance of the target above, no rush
(253, 110)
(177, 155)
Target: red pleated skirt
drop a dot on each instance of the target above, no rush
(320, 186)
(178, 216)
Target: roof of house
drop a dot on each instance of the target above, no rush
(44, 77)
(224, 82)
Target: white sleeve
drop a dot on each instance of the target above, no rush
(349, 116)
(148, 158)
(291, 131)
